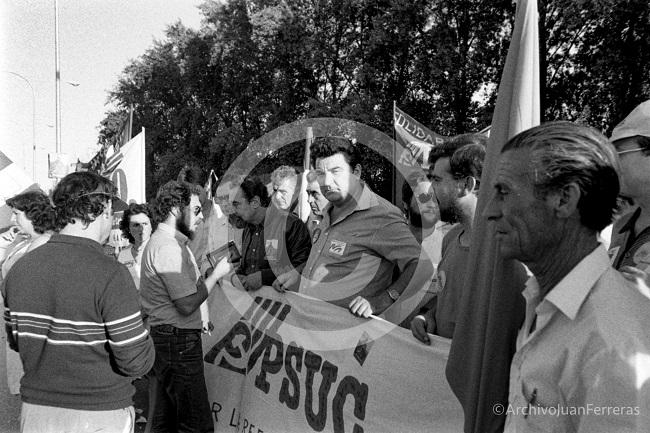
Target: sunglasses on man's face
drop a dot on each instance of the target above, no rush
(197, 210)
(424, 197)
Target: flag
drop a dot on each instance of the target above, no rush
(126, 169)
(13, 180)
(492, 308)
(413, 143)
(303, 203)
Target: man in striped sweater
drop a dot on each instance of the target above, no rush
(73, 315)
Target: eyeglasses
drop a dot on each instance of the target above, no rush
(623, 152)
(424, 197)
(197, 210)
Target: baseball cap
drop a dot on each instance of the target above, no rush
(636, 123)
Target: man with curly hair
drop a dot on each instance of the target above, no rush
(172, 291)
(74, 317)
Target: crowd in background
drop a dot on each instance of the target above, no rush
(74, 311)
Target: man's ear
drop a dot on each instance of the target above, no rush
(255, 202)
(357, 171)
(469, 184)
(565, 200)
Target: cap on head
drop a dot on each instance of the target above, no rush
(636, 123)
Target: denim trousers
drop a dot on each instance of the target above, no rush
(181, 398)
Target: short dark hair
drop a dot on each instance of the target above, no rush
(563, 152)
(253, 186)
(81, 195)
(468, 161)
(324, 147)
(452, 144)
(170, 195)
(134, 209)
(38, 209)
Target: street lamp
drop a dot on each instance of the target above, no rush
(33, 121)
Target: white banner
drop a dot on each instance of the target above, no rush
(128, 171)
(287, 363)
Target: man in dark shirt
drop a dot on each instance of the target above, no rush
(274, 241)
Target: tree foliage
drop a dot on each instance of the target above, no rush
(203, 95)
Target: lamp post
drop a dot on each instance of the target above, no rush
(33, 120)
(57, 77)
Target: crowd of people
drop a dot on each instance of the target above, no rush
(86, 325)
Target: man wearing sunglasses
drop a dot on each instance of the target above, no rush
(76, 319)
(172, 291)
(422, 213)
(455, 171)
(630, 246)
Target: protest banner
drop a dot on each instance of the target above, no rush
(413, 142)
(283, 362)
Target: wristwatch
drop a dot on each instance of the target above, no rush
(394, 295)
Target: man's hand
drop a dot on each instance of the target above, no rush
(252, 281)
(6, 238)
(420, 326)
(361, 307)
(286, 281)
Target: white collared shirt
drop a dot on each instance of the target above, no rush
(586, 366)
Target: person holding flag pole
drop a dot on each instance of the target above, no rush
(491, 309)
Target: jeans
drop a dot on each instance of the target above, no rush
(181, 398)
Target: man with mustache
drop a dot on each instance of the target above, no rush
(172, 291)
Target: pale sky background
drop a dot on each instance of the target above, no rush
(97, 39)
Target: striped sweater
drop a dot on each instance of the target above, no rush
(75, 317)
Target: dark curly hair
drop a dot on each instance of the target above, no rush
(38, 209)
(170, 195)
(135, 209)
(324, 147)
(81, 195)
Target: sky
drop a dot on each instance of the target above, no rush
(97, 39)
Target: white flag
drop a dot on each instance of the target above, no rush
(127, 170)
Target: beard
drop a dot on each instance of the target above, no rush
(450, 214)
(182, 227)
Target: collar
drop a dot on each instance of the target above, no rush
(571, 292)
(631, 220)
(76, 240)
(170, 231)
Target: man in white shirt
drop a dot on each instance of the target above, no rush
(583, 353)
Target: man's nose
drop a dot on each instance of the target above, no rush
(491, 211)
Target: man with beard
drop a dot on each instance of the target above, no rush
(171, 292)
(455, 171)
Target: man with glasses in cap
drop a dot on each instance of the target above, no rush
(630, 246)
(73, 315)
